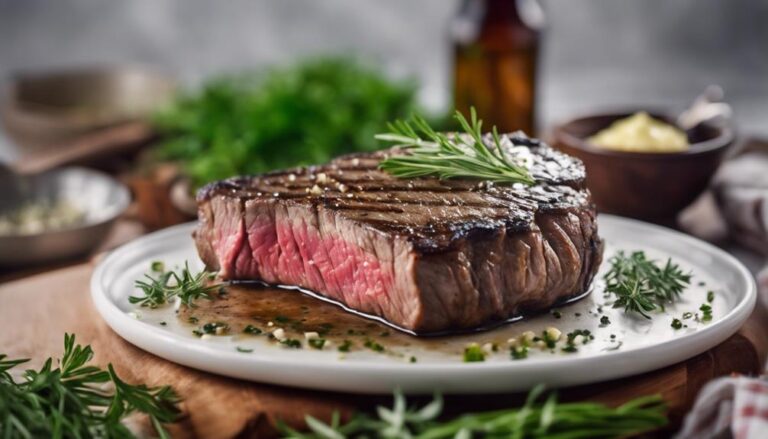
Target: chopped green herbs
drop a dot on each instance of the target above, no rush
(215, 328)
(445, 156)
(374, 346)
(252, 330)
(542, 416)
(518, 352)
(291, 343)
(193, 319)
(641, 286)
(557, 314)
(677, 324)
(77, 399)
(710, 296)
(605, 321)
(317, 343)
(706, 312)
(575, 338)
(473, 353)
(687, 315)
(345, 346)
(412, 359)
(160, 289)
(244, 350)
(157, 266)
(549, 339)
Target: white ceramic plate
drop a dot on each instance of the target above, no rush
(638, 345)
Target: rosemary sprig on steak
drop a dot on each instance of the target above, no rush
(445, 156)
(641, 285)
(71, 398)
(165, 285)
(547, 419)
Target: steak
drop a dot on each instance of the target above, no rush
(424, 254)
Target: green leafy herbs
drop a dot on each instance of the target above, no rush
(252, 330)
(160, 288)
(75, 399)
(706, 312)
(374, 345)
(540, 417)
(641, 285)
(278, 118)
(474, 353)
(466, 155)
(519, 352)
(317, 343)
(345, 346)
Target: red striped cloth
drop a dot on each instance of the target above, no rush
(734, 407)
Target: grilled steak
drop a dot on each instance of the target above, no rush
(426, 255)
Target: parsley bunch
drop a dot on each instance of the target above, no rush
(641, 285)
(76, 400)
(280, 117)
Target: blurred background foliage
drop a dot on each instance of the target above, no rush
(281, 117)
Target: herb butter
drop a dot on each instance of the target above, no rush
(641, 133)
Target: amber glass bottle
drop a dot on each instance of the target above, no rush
(495, 57)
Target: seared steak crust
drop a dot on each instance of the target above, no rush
(427, 255)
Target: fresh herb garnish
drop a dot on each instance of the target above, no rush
(543, 418)
(465, 155)
(473, 353)
(74, 400)
(244, 350)
(291, 343)
(710, 296)
(250, 329)
(317, 343)
(641, 286)
(677, 324)
(706, 312)
(215, 328)
(374, 346)
(518, 352)
(162, 288)
(605, 321)
(345, 346)
(157, 266)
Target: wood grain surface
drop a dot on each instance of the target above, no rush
(36, 312)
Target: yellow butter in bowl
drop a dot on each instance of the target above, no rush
(641, 133)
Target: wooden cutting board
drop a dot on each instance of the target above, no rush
(35, 313)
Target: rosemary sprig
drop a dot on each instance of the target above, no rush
(641, 286)
(73, 400)
(163, 287)
(451, 156)
(546, 420)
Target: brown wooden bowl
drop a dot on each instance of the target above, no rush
(47, 109)
(648, 186)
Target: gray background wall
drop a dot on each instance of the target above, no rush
(597, 53)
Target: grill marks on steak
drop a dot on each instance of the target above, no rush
(426, 255)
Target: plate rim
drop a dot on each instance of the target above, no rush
(150, 338)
